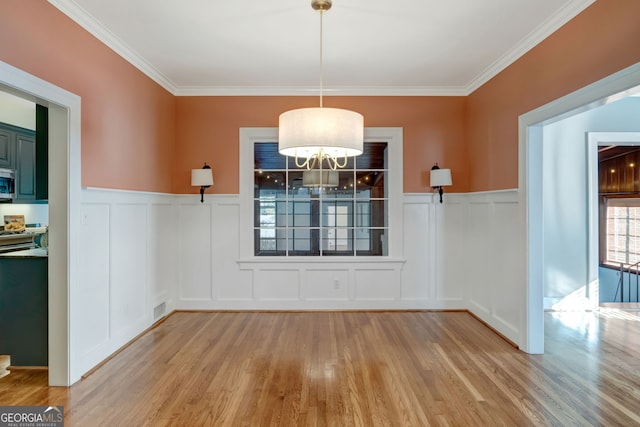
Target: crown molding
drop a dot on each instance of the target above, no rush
(94, 27)
(561, 17)
(99, 31)
(327, 91)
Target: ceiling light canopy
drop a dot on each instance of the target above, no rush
(319, 134)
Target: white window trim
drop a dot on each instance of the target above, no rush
(393, 138)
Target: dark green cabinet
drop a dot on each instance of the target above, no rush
(24, 310)
(42, 152)
(25, 168)
(19, 150)
(7, 143)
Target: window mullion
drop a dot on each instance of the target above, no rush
(288, 220)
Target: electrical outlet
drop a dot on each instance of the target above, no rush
(336, 284)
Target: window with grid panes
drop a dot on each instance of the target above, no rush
(622, 231)
(295, 218)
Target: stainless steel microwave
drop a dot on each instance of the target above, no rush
(7, 185)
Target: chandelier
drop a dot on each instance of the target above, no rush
(318, 135)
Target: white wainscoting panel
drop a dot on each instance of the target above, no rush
(450, 240)
(195, 251)
(230, 283)
(405, 281)
(377, 284)
(128, 259)
(326, 285)
(478, 256)
(417, 280)
(508, 266)
(277, 284)
(124, 269)
(494, 249)
(163, 262)
(93, 332)
(341, 284)
(140, 250)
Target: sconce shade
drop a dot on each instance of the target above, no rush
(320, 178)
(303, 132)
(440, 177)
(201, 177)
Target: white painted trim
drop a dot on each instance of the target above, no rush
(102, 33)
(282, 262)
(530, 184)
(64, 208)
(114, 287)
(94, 27)
(313, 305)
(139, 192)
(435, 257)
(564, 15)
(326, 91)
(492, 192)
(594, 139)
(612, 88)
(393, 136)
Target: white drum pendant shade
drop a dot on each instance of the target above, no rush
(303, 132)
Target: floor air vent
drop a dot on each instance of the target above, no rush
(159, 311)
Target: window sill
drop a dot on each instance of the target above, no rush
(325, 261)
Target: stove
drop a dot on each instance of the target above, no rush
(9, 233)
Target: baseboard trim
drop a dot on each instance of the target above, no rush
(495, 331)
(124, 347)
(329, 310)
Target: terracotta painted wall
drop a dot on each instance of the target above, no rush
(603, 39)
(137, 136)
(207, 130)
(128, 121)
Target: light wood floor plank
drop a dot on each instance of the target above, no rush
(354, 369)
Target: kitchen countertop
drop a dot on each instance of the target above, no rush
(26, 253)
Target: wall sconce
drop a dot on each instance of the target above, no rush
(439, 178)
(202, 178)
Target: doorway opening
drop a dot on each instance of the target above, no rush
(64, 208)
(532, 193)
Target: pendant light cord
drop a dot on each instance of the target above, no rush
(321, 13)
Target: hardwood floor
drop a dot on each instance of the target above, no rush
(354, 369)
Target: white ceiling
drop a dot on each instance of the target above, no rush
(371, 47)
